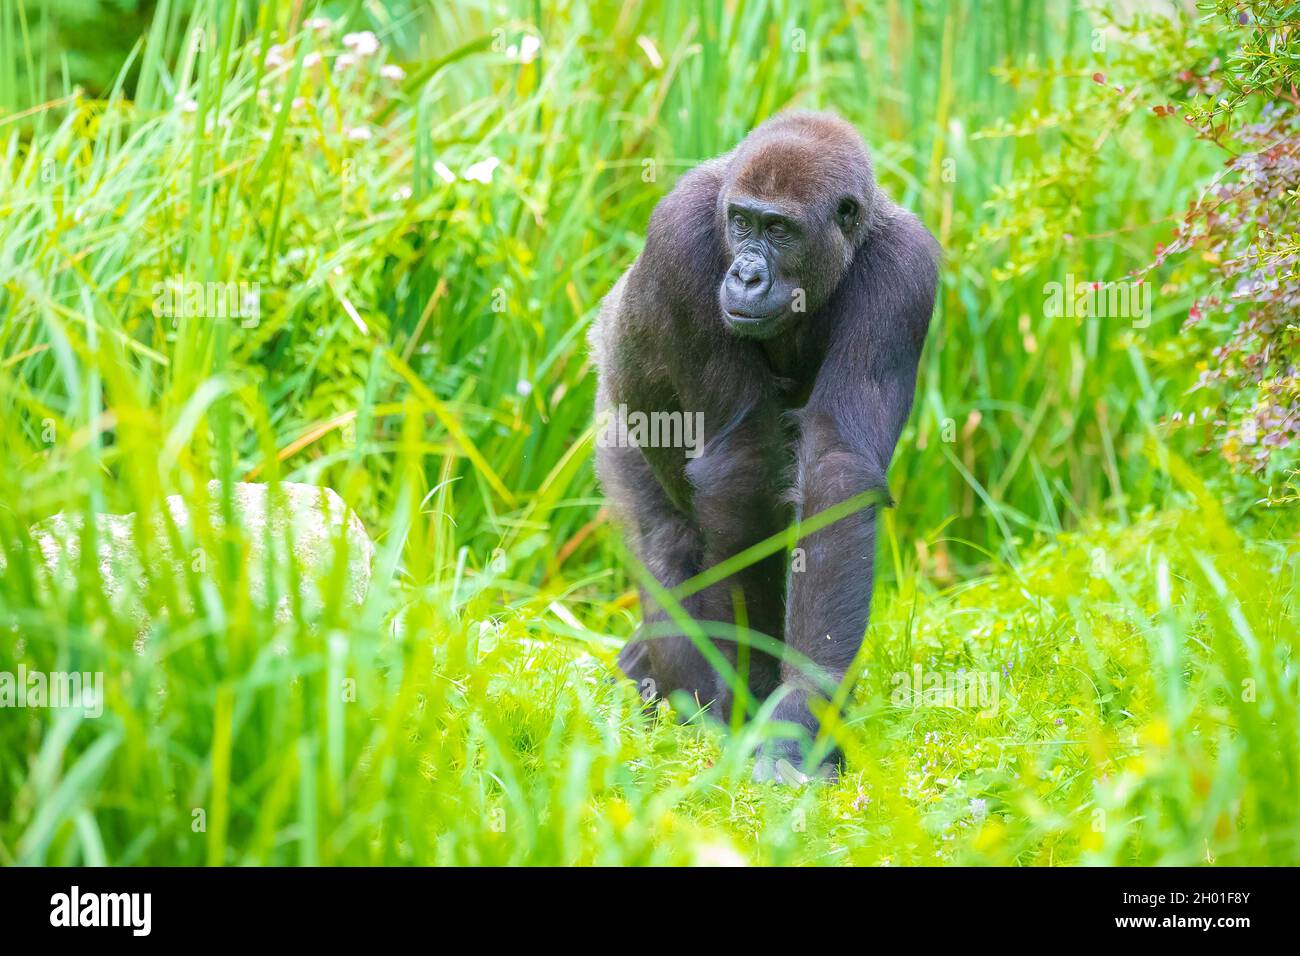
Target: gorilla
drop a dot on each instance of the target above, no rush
(783, 299)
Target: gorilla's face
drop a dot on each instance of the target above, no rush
(786, 260)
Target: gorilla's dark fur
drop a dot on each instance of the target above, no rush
(785, 297)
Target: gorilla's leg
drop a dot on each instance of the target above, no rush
(661, 658)
(738, 503)
(658, 658)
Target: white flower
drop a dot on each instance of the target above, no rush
(319, 24)
(185, 103)
(364, 43)
(402, 194)
(718, 853)
(344, 61)
(357, 134)
(311, 59)
(441, 169)
(481, 172)
(524, 387)
(528, 48)
(393, 72)
(275, 56)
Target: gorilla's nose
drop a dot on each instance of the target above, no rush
(747, 283)
(750, 275)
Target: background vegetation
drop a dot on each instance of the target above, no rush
(1082, 506)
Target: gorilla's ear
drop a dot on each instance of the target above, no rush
(846, 214)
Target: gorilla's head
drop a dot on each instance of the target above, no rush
(795, 205)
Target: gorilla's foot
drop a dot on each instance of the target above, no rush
(783, 761)
(634, 660)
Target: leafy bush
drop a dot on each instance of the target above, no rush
(424, 253)
(1244, 225)
(1229, 265)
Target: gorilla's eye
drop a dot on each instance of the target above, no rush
(847, 213)
(778, 231)
(738, 225)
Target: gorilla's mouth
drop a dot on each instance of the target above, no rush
(754, 326)
(754, 311)
(760, 314)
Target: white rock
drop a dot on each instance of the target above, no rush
(306, 519)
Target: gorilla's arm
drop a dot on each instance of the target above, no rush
(657, 333)
(848, 430)
(662, 346)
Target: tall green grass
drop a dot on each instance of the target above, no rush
(420, 350)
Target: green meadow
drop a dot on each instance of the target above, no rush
(398, 248)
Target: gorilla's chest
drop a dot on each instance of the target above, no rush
(792, 361)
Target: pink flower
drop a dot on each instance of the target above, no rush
(364, 43)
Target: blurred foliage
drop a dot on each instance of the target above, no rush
(81, 42)
(430, 200)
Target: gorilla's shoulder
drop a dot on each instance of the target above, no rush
(905, 243)
(681, 262)
(688, 211)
